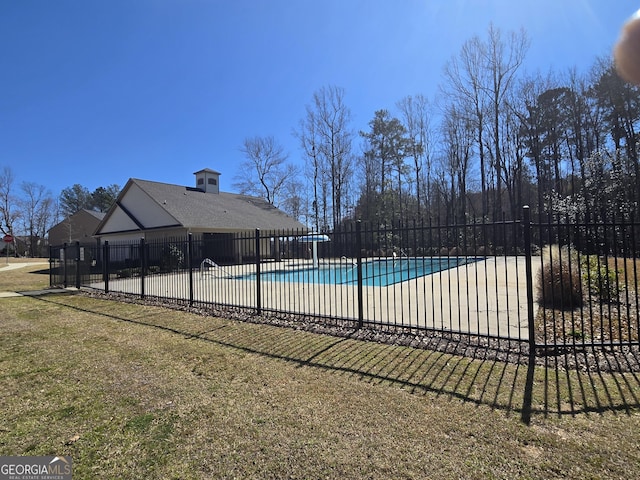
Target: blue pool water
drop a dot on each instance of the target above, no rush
(377, 273)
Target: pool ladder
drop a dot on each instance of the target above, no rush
(208, 264)
(402, 254)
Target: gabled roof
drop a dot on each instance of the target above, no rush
(194, 209)
(78, 226)
(80, 213)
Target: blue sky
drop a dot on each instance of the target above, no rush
(95, 92)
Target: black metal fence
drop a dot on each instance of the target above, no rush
(552, 283)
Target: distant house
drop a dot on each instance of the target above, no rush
(79, 227)
(162, 211)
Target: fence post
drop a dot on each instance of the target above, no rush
(526, 223)
(258, 289)
(143, 265)
(50, 266)
(359, 271)
(528, 388)
(106, 259)
(190, 266)
(78, 265)
(65, 278)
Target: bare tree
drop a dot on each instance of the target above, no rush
(458, 139)
(265, 171)
(294, 200)
(502, 59)
(464, 83)
(37, 208)
(314, 169)
(9, 212)
(369, 202)
(415, 115)
(514, 172)
(533, 127)
(326, 139)
(482, 75)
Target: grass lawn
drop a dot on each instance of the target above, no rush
(133, 391)
(30, 274)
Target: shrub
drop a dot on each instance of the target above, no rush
(123, 273)
(136, 271)
(172, 258)
(600, 279)
(128, 272)
(559, 282)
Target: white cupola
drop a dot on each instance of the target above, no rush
(208, 180)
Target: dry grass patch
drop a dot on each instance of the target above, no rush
(133, 391)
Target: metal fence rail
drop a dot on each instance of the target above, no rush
(550, 283)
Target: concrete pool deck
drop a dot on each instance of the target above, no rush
(486, 297)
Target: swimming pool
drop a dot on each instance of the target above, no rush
(376, 273)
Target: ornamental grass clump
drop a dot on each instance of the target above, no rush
(559, 280)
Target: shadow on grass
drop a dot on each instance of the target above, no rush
(41, 272)
(521, 388)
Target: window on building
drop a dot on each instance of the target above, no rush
(213, 181)
(201, 181)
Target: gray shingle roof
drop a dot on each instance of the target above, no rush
(207, 170)
(196, 209)
(98, 215)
